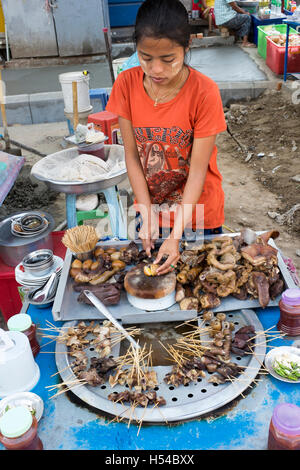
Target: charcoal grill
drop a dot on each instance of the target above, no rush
(183, 402)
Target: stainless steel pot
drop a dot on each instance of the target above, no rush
(13, 249)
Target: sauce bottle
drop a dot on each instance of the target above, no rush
(284, 430)
(22, 322)
(289, 306)
(18, 430)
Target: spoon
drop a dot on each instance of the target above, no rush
(43, 293)
(101, 307)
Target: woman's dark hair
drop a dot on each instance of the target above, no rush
(163, 19)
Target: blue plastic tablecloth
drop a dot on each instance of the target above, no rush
(242, 425)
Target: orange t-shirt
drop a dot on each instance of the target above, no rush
(164, 136)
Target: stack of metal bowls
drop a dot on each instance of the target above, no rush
(24, 232)
(38, 262)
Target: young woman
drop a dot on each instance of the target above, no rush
(169, 116)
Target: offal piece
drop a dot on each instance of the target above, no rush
(189, 303)
(109, 294)
(209, 301)
(243, 340)
(151, 269)
(130, 254)
(258, 254)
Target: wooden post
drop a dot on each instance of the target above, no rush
(108, 55)
(75, 105)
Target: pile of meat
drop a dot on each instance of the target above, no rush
(241, 266)
(214, 357)
(103, 274)
(77, 339)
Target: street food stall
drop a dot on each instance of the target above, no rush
(194, 359)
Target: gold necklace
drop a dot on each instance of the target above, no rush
(157, 99)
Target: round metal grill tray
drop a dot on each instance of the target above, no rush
(183, 402)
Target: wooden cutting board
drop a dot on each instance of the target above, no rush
(139, 285)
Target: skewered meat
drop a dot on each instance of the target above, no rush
(140, 399)
(103, 365)
(189, 371)
(92, 377)
(129, 377)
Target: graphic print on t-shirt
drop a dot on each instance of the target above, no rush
(165, 155)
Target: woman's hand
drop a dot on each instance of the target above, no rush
(149, 231)
(169, 248)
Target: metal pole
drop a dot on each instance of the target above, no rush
(286, 52)
(108, 53)
(6, 44)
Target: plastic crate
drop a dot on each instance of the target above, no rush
(264, 31)
(275, 58)
(10, 300)
(256, 22)
(108, 123)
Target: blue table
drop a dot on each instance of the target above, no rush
(256, 21)
(293, 24)
(242, 425)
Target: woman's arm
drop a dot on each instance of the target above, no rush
(138, 183)
(201, 153)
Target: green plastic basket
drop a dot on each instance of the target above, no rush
(264, 31)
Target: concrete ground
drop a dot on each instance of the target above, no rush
(228, 63)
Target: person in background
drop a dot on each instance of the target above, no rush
(206, 12)
(229, 15)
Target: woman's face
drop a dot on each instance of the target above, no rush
(160, 59)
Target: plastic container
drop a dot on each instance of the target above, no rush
(18, 430)
(22, 322)
(18, 370)
(108, 123)
(256, 22)
(83, 96)
(264, 31)
(289, 306)
(10, 300)
(275, 58)
(284, 430)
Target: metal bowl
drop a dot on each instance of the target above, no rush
(84, 256)
(13, 248)
(38, 262)
(32, 223)
(83, 188)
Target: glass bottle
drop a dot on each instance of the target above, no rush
(18, 430)
(284, 430)
(22, 322)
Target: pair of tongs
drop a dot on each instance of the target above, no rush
(102, 309)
